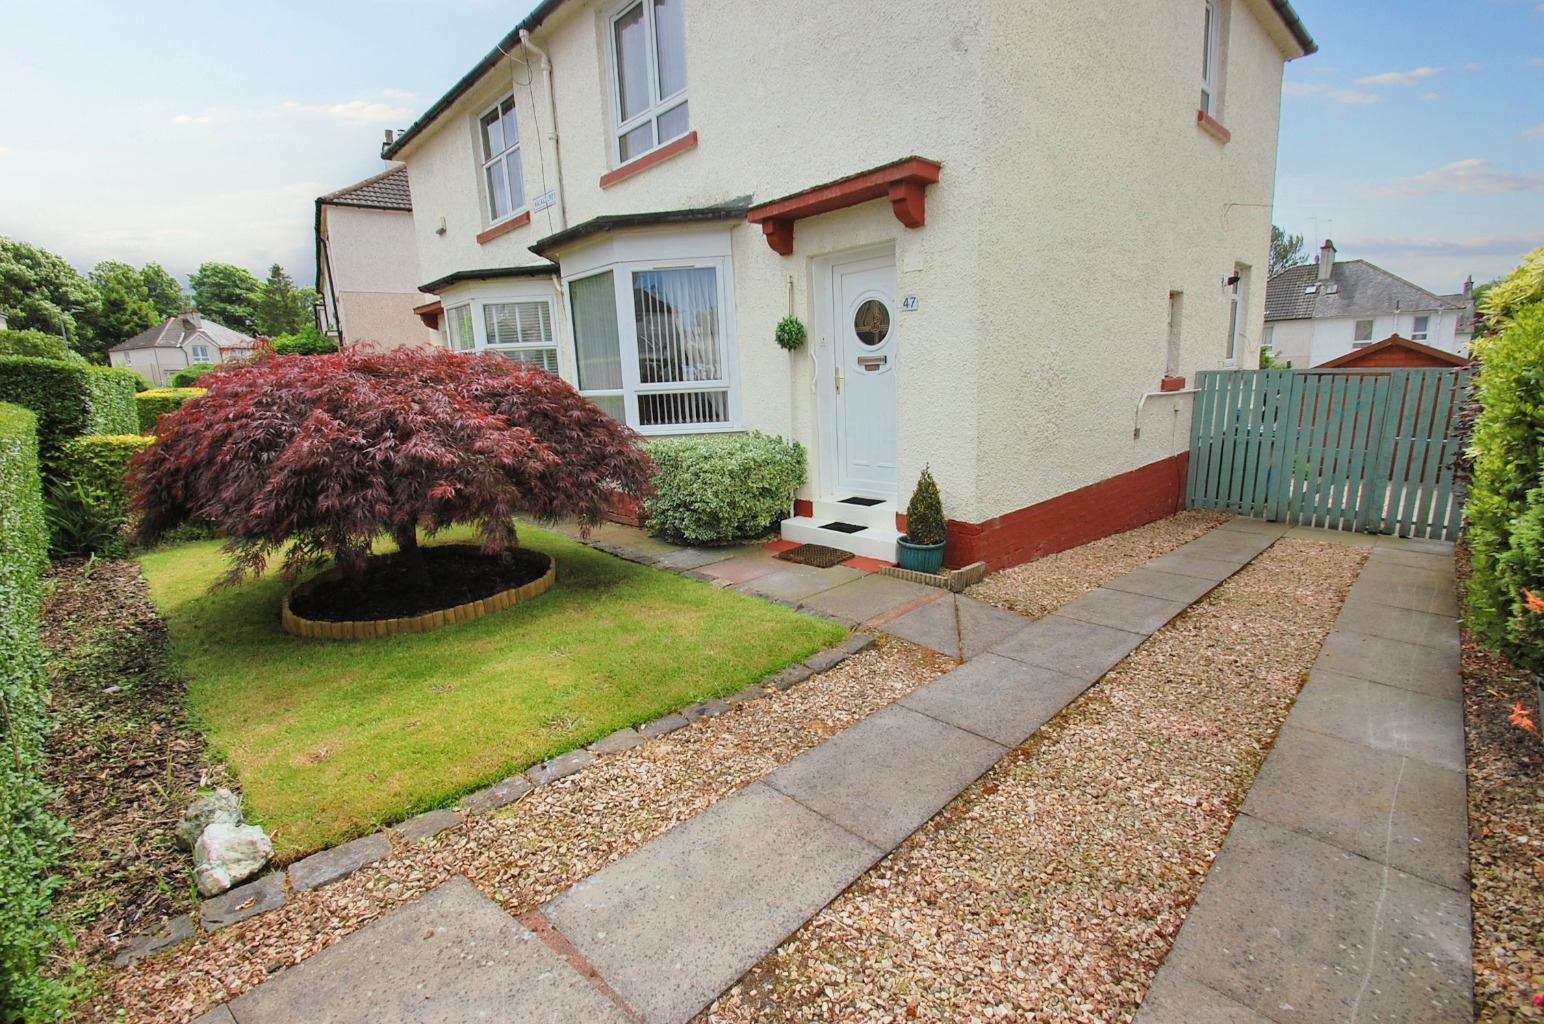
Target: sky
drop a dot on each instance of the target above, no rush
(190, 131)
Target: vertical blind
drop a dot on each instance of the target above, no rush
(595, 333)
(522, 331)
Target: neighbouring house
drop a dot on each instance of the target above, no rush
(1327, 309)
(635, 193)
(1395, 352)
(367, 264)
(178, 342)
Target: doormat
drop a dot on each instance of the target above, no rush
(818, 555)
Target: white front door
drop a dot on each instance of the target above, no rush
(864, 329)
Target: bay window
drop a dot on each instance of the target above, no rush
(648, 74)
(520, 330)
(653, 347)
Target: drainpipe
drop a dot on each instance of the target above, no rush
(1136, 426)
(552, 121)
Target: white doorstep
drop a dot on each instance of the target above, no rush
(870, 542)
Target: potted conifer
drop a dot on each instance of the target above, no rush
(922, 547)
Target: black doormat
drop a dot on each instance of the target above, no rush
(818, 555)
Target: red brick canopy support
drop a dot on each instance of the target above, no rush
(904, 183)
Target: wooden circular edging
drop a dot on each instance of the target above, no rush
(317, 629)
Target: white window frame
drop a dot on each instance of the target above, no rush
(1419, 332)
(627, 341)
(477, 305)
(1372, 328)
(658, 105)
(507, 155)
(200, 358)
(1211, 57)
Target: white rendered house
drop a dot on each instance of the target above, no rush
(179, 342)
(635, 192)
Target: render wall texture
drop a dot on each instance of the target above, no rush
(373, 257)
(1077, 192)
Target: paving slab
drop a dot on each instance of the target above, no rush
(1302, 932)
(1178, 999)
(680, 919)
(1325, 536)
(682, 559)
(1166, 585)
(615, 743)
(790, 676)
(957, 625)
(744, 568)
(1430, 547)
(1243, 524)
(219, 1015)
(1407, 813)
(338, 862)
(1227, 547)
(882, 777)
(1400, 586)
(1381, 660)
(1123, 610)
(500, 794)
(1412, 558)
(1402, 624)
(662, 726)
(998, 698)
(1072, 647)
(1385, 718)
(428, 825)
(798, 583)
(1186, 564)
(448, 957)
(863, 599)
(560, 767)
(242, 902)
(178, 929)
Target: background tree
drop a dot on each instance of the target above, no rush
(39, 288)
(226, 294)
(166, 295)
(1286, 251)
(320, 455)
(281, 307)
(125, 308)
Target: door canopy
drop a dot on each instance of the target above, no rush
(903, 182)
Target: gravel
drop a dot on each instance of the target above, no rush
(1052, 889)
(535, 849)
(1040, 587)
(1506, 835)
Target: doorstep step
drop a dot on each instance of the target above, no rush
(828, 510)
(869, 542)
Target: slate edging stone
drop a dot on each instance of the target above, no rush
(178, 929)
(824, 661)
(428, 825)
(662, 726)
(242, 902)
(560, 767)
(500, 794)
(338, 862)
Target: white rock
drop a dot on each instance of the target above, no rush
(226, 855)
(221, 806)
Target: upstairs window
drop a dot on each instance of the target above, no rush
(502, 177)
(648, 67)
(1422, 328)
(201, 353)
(1363, 333)
(1210, 53)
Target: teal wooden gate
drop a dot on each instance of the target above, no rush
(1361, 450)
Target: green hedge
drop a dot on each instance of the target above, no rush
(153, 403)
(35, 344)
(188, 375)
(69, 399)
(1505, 507)
(30, 838)
(97, 461)
(723, 488)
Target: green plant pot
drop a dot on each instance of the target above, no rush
(919, 557)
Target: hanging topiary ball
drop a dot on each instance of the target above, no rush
(790, 333)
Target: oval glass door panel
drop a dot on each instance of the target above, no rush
(872, 323)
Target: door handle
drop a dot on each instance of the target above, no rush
(838, 369)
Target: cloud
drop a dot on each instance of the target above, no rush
(1321, 90)
(354, 112)
(1474, 177)
(1537, 131)
(1432, 96)
(1536, 62)
(1399, 77)
(398, 94)
(1490, 245)
(192, 119)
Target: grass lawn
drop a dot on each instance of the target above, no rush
(332, 739)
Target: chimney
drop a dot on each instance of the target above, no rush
(190, 320)
(1327, 260)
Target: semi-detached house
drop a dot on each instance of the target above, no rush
(1012, 229)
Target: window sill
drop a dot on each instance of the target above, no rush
(706, 428)
(505, 227)
(1213, 127)
(649, 159)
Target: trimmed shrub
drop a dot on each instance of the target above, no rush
(308, 341)
(30, 838)
(97, 461)
(186, 377)
(151, 404)
(33, 344)
(68, 399)
(1508, 453)
(110, 394)
(925, 512)
(723, 488)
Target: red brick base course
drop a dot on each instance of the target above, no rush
(1122, 502)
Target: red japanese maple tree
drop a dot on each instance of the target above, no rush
(322, 454)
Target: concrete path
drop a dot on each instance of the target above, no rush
(661, 932)
(1341, 893)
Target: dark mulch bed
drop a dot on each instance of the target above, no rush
(124, 757)
(1506, 835)
(458, 575)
